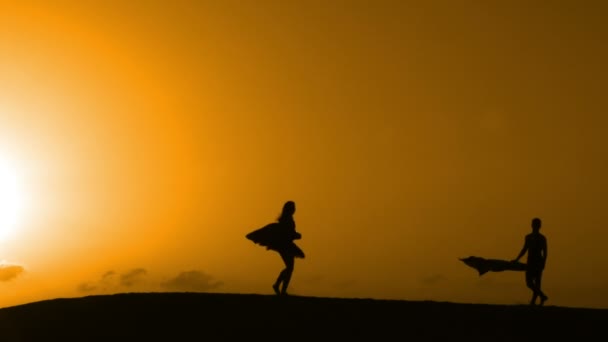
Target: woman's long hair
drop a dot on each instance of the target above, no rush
(287, 213)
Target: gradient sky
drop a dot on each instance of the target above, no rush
(146, 138)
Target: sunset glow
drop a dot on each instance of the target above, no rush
(12, 199)
(140, 141)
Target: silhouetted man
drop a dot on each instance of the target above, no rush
(536, 246)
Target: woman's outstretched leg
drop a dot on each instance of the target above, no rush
(285, 275)
(289, 263)
(277, 284)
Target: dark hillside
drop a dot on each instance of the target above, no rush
(207, 317)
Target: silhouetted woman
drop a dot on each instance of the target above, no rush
(279, 236)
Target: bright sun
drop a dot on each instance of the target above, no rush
(11, 199)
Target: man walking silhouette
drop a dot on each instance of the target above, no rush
(535, 245)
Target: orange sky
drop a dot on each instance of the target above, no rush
(150, 137)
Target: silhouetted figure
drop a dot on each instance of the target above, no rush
(536, 246)
(279, 236)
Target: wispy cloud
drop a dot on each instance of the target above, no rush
(113, 281)
(132, 277)
(191, 281)
(86, 287)
(138, 279)
(9, 272)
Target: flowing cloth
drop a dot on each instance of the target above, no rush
(275, 236)
(483, 265)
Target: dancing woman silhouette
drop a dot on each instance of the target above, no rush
(279, 236)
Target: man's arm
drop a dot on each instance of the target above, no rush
(544, 250)
(523, 251)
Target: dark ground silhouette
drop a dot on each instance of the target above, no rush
(220, 317)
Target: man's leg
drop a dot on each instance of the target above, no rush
(530, 283)
(543, 297)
